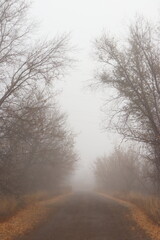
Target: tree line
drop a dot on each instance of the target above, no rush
(131, 66)
(36, 145)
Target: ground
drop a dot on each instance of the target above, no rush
(88, 216)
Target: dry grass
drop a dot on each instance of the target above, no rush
(28, 218)
(139, 216)
(35, 197)
(9, 205)
(149, 204)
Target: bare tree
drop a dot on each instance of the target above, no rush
(35, 144)
(133, 70)
(23, 63)
(120, 172)
(37, 147)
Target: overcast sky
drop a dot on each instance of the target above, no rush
(86, 20)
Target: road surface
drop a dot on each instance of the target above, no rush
(88, 217)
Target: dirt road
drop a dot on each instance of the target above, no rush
(88, 217)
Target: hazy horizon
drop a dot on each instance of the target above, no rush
(85, 21)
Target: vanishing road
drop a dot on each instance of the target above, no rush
(88, 217)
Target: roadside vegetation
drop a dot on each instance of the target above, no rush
(36, 145)
(10, 205)
(33, 215)
(125, 176)
(130, 68)
(150, 204)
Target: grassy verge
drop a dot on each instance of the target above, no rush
(149, 204)
(29, 217)
(10, 205)
(139, 213)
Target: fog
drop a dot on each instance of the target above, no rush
(79, 119)
(86, 20)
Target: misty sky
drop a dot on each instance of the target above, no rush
(86, 20)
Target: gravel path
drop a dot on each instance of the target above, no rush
(88, 217)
